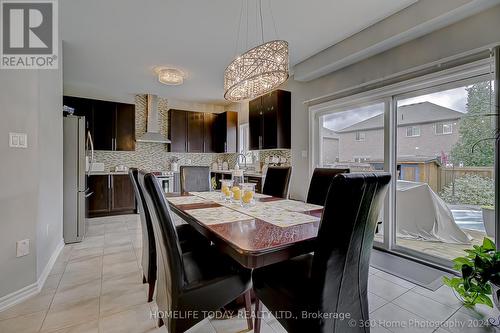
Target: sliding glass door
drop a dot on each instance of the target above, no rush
(435, 135)
(445, 168)
(353, 138)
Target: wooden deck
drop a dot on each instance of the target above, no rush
(440, 249)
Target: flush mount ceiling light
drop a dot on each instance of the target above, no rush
(258, 70)
(170, 76)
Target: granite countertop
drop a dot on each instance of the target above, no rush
(245, 173)
(109, 173)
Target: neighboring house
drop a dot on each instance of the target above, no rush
(424, 129)
(330, 147)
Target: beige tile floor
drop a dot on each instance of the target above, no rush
(96, 286)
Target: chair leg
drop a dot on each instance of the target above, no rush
(248, 309)
(258, 313)
(144, 279)
(160, 322)
(151, 290)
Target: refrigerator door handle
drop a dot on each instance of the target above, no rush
(90, 146)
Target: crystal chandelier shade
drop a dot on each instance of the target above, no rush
(170, 76)
(257, 71)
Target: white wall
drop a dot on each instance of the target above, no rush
(31, 178)
(472, 33)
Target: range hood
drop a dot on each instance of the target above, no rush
(152, 126)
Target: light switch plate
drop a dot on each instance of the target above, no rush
(22, 248)
(18, 140)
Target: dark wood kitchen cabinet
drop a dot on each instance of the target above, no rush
(111, 124)
(209, 132)
(269, 121)
(198, 132)
(111, 195)
(98, 202)
(195, 129)
(122, 194)
(125, 127)
(177, 132)
(226, 132)
(103, 125)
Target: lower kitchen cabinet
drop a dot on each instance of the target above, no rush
(111, 195)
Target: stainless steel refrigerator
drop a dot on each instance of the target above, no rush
(75, 177)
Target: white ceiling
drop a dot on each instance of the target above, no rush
(111, 46)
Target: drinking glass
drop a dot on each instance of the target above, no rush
(248, 193)
(225, 189)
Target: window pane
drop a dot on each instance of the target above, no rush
(444, 191)
(354, 139)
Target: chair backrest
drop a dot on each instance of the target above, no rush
(277, 181)
(170, 267)
(320, 183)
(344, 243)
(148, 238)
(195, 178)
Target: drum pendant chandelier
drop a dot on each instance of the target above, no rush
(258, 70)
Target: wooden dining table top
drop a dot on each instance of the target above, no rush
(252, 242)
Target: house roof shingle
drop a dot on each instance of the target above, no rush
(418, 113)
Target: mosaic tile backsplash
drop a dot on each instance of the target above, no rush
(154, 156)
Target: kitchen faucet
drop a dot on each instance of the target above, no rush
(244, 159)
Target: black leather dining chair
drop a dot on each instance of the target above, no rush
(188, 236)
(193, 282)
(333, 279)
(320, 183)
(195, 178)
(277, 181)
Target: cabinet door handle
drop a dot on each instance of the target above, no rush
(225, 147)
(109, 182)
(260, 141)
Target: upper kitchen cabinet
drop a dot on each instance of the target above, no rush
(103, 129)
(226, 132)
(270, 121)
(209, 132)
(177, 130)
(195, 129)
(198, 132)
(112, 125)
(125, 127)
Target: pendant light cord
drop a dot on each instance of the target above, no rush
(261, 21)
(239, 29)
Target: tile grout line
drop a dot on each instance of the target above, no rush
(55, 292)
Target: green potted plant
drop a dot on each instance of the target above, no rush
(480, 278)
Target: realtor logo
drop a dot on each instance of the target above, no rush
(29, 38)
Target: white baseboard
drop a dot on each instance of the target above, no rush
(20, 295)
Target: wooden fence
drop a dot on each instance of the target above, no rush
(447, 175)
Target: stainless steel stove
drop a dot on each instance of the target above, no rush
(166, 180)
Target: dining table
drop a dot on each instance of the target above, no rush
(268, 231)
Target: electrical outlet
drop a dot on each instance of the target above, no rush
(22, 248)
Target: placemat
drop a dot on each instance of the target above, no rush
(186, 200)
(293, 205)
(276, 216)
(213, 196)
(217, 215)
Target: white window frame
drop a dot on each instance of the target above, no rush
(391, 94)
(443, 124)
(415, 131)
(360, 136)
